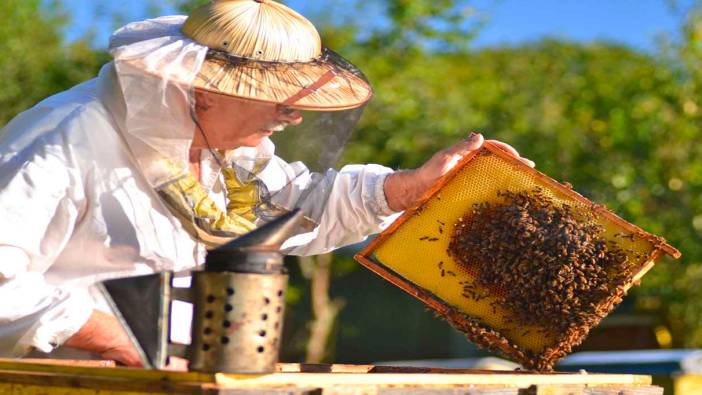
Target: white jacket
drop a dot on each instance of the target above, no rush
(76, 210)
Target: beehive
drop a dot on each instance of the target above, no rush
(412, 254)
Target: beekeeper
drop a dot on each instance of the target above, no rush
(169, 151)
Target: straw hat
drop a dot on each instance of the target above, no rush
(263, 50)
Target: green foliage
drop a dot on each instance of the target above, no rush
(35, 61)
(679, 286)
(422, 25)
(186, 6)
(621, 126)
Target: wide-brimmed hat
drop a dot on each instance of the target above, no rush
(263, 50)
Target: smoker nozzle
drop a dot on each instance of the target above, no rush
(257, 251)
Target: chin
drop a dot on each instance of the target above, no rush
(252, 141)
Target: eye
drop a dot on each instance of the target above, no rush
(285, 110)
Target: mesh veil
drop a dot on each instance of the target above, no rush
(158, 69)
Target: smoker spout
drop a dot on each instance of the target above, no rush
(257, 251)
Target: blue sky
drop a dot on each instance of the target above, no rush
(633, 22)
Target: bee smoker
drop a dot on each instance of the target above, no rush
(238, 305)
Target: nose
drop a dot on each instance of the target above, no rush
(289, 115)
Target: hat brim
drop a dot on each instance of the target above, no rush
(277, 83)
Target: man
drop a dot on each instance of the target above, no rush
(169, 152)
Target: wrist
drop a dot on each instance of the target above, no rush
(89, 336)
(103, 334)
(403, 189)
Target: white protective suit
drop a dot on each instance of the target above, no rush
(78, 208)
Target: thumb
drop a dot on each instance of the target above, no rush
(475, 141)
(456, 153)
(472, 143)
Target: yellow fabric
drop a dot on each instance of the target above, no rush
(187, 197)
(242, 198)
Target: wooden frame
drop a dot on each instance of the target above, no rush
(476, 331)
(86, 378)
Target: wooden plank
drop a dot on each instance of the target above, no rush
(339, 379)
(643, 390)
(463, 390)
(361, 374)
(27, 389)
(322, 368)
(585, 390)
(568, 389)
(57, 382)
(215, 390)
(345, 368)
(71, 362)
(116, 372)
(511, 379)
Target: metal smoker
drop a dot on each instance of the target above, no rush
(238, 305)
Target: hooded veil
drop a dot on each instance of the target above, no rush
(158, 67)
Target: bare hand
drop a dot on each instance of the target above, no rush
(404, 188)
(103, 334)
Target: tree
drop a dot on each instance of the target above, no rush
(35, 61)
(618, 124)
(622, 126)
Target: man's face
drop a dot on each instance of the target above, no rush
(230, 122)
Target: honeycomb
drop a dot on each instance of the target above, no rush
(412, 253)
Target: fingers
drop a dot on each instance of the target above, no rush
(528, 162)
(473, 142)
(453, 155)
(126, 356)
(510, 150)
(505, 147)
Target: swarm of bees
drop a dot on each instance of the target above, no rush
(563, 274)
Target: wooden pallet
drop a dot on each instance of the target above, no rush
(45, 377)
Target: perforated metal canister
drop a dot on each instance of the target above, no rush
(237, 321)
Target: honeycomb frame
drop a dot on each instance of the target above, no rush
(464, 316)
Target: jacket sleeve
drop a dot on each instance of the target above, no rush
(42, 197)
(351, 204)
